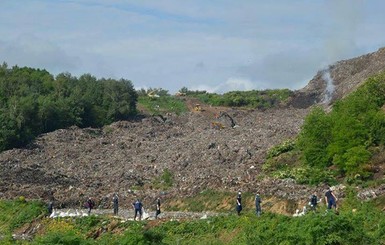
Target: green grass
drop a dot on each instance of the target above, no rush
(14, 214)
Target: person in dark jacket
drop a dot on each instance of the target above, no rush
(90, 205)
(157, 212)
(330, 199)
(239, 203)
(138, 206)
(258, 202)
(50, 207)
(115, 201)
(314, 201)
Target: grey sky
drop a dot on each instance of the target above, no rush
(217, 45)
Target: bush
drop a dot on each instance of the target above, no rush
(307, 175)
(167, 178)
(277, 150)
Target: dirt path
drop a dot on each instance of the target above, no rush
(128, 214)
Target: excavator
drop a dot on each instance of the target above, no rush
(152, 94)
(217, 125)
(197, 107)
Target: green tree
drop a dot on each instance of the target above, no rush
(315, 137)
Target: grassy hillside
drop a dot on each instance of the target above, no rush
(357, 223)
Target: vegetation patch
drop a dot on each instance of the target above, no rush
(261, 99)
(160, 102)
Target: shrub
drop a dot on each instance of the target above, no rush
(167, 178)
(277, 150)
(307, 175)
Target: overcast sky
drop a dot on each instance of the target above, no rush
(216, 45)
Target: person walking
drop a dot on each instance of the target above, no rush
(115, 201)
(258, 202)
(138, 206)
(239, 203)
(330, 199)
(50, 207)
(157, 212)
(90, 205)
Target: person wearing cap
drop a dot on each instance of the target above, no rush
(258, 202)
(330, 199)
(239, 203)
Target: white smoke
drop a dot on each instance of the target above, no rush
(329, 90)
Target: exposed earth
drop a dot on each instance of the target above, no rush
(213, 149)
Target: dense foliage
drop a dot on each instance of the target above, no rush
(32, 102)
(345, 136)
(251, 99)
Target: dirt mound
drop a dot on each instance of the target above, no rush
(130, 158)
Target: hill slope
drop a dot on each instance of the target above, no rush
(339, 79)
(176, 156)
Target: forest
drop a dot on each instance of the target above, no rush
(32, 102)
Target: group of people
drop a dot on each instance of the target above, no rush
(138, 209)
(137, 206)
(258, 201)
(330, 200)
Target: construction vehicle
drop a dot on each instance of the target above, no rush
(217, 125)
(152, 94)
(197, 107)
(180, 94)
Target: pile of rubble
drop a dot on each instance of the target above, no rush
(131, 157)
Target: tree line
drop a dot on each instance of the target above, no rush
(256, 99)
(32, 101)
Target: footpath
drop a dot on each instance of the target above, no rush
(128, 214)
